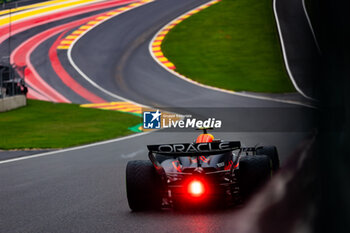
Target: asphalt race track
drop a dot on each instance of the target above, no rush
(83, 189)
(301, 46)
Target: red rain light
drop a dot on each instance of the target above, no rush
(196, 188)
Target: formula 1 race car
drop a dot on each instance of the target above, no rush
(208, 172)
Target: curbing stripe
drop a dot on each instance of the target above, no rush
(49, 9)
(116, 106)
(159, 37)
(95, 22)
(71, 61)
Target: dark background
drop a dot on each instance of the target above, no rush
(332, 20)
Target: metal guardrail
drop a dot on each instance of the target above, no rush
(9, 4)
(6, 3)
(12, 81)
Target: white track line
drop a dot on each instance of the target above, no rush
(311, 28)
(73, 148)
(69, 54)
(224, 90)
(285, 54)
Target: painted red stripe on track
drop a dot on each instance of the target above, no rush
(21, 56)
(67, 79)
(17, 27)
(35, 95)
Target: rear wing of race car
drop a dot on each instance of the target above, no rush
(189, 149)
(194, 149)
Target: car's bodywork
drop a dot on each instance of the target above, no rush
(206, 172)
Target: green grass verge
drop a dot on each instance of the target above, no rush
(233, 45)
(50, 125)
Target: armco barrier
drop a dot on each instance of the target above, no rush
(12, 102)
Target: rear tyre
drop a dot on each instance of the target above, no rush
(254, 171)
(271, 152)
(143, 186)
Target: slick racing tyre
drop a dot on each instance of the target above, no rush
(254, 171)
(271, 152)
(143, 186)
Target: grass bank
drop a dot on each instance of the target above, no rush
(50, 125)
(233, 45)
